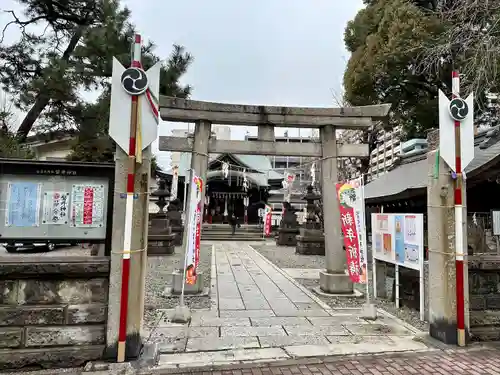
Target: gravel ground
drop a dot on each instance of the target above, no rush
(285, 257)
(159, 276)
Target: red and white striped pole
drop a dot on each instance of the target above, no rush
(129, 205)
(459, 233)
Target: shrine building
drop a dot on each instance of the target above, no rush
(225, 191)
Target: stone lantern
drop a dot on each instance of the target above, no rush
(311, 239)
(174, 216)
(289, 227)
(160, 237)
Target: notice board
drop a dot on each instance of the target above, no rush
(55, 202)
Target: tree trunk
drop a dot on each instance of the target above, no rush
(43, 97)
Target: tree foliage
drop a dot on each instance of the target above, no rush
(470, 41)
(10, 147)
(46, 71)
(385, 40)
(403, 52)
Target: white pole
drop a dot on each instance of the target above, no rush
(185, 192)
(300, 162)
(186, 239)
(175, 182)
(396, 281)
(365, 247)
(370, 311)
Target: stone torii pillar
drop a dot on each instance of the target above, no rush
(199, 158)
(333, 280)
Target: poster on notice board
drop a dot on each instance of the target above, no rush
(399, 239)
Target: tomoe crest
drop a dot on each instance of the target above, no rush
(134, 81)
(458, 109)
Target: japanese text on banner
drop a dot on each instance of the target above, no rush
(352, 221)
(267, 221)
(194, 234)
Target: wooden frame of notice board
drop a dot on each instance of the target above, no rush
(56, 202)
(399, 239)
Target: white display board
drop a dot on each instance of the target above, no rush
(399, 239)
(54, 207)
(495, 217)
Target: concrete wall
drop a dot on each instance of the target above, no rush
(53, 311)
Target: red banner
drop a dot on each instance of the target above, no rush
(348, 225)
(198, 236)
(88, 205)
(267, 221)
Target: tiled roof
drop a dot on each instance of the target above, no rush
(410, 176)
(258, 163)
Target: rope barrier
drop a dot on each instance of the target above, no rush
(129, 251)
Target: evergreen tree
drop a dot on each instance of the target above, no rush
(403, 52)
(46, 72)
(385, 40)
(10, 147)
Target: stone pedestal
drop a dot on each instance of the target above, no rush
(160, 237)
(178, 277)
(289, 228)
(310, 242)
(174, 217)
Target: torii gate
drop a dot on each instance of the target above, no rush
(334, 279)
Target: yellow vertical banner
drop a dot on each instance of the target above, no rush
(138, 135)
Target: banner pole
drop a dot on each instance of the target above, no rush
(129, 208)
(186, 236)
(182, 313)
(459, 230)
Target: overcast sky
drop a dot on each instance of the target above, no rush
(274, 52)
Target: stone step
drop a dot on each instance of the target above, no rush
(231, 237)
(227, 227)
(229, 233)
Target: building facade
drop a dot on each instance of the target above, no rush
(299, 166)
(55, 146)
(383, 157)
(226, 192)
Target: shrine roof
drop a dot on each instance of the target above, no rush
(259, 163)
(412, 176)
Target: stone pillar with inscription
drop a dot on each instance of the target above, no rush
(441, 243)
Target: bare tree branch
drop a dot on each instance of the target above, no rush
(18, 22)
(470, 41)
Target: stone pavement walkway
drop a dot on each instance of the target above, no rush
(467, 362)
(260, 312)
